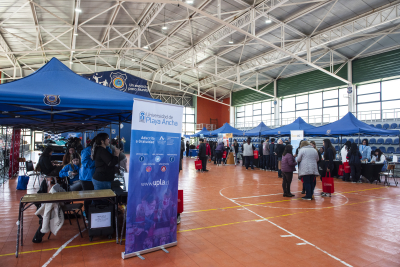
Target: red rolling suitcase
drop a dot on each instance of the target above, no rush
(198, 165)
(180, 201)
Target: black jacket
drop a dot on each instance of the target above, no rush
(45, 164)
(272, 149)
(105, 165)
(279, 150)
(202, 150)
(187, 146)
(236, 147)
(329, 156)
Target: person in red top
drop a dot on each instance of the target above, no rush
(208, 148)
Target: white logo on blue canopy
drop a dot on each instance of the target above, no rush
(328, 132)
(52, 100)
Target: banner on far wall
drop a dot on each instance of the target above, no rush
(153, 177)
(121, 81)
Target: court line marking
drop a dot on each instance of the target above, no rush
(61, 248)
(188, 230)
(287, 231)
(278, 201)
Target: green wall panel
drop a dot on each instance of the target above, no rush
(249, 96)
(310, 81)
(376, 67)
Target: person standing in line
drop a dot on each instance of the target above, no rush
(203, 154)
(248, 153)
(208, 148)
(365, 151)
(236, 148)
(104, 162)
(266, 154)
(354, 157)
(86, 172)
(345, 150)
(261, 156)
(308, 169)
(314, 145)
(272, 159)
(329, 156)
(288, 167)
(187, 148)
(219, 150)
(280, 147)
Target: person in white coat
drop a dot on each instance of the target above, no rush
(248, 153)
(345, 150)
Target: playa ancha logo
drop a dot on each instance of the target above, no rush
(328, 132)
(118, 81)
(142, 116)
(52, 100)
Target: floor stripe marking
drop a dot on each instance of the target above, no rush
(305, 241)
(278, 201)
(61, 248)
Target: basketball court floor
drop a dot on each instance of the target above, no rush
(233, 217)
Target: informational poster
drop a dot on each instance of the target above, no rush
(153, 177)
(295, 138)
(121, 81)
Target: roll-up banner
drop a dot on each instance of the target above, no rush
(153, 177)
(295, 138)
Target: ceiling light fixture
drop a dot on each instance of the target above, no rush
(164, 27)
(71, 62)
(268, 21)
(230, 41)
(133, 59)
(189, 1)
(146, 47)
(75, 34)
(78, 10)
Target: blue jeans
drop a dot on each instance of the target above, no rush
(309, 184)
(249, 161)
(266, 161)
(99, 185)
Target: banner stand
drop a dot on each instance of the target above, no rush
(139, 253)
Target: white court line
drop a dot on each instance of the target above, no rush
(287, 231)
(61, 248)
(262, 195)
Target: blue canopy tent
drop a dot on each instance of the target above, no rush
(55, 99)
(256, 131)
(298, 124)
(204, 131)
(226, 128)
(348, 125)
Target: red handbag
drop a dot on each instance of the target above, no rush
(327, 184)
(255, 153)
(347, 168)
(224, 155)
(180, 201)
(341, 170)
(198, 165)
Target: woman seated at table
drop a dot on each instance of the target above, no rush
(71, 172)
(46, 166)
(379, 158)
(67, 159)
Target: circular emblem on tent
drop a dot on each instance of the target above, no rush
(118, 83)
(163, 168)
(148, 169)
(141, 158)
(328, 132)
(171, 159)
(279, 132)
(52, 100)
(158, 158)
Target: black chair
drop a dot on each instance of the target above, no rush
(30, 171)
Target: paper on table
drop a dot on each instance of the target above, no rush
(99, 220)
(126, 180)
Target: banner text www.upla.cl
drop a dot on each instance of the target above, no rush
(156, 183)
